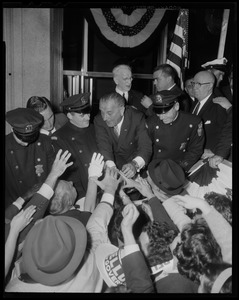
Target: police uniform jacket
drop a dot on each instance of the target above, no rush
(182, 140)
(81, 143)
(26, 166)
(214, 117)
(133, 140)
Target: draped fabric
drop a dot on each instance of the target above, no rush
(178, 52)
(128, 30)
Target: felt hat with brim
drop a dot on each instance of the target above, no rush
(53, 249)
(108, 261)
(167, 175)
(24, 121)
(164, 100)
(77, 103)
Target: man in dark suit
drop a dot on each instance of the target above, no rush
(212, 114)
(165, 78)
(52, 121)
(121, 135)
(122, 76)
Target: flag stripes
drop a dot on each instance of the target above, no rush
(178, 52)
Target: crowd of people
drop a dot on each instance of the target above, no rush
(101, 205)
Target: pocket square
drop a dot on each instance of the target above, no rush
(207, 122)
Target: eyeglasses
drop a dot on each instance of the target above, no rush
(198, 84)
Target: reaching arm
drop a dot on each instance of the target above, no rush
(18, 223)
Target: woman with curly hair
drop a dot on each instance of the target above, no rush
(197, 249)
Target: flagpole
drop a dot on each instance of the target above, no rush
(223, 33)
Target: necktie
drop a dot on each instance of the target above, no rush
(196, 108)
(116, 131)
(124, 97)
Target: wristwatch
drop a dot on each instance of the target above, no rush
(136, 166)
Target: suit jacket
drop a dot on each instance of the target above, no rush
(224, 145)
(214, 117)
(26, 166)
(133, 140)
(182, 140)
(137, 277)
(81, 142)
(183, 100)
(60, 120)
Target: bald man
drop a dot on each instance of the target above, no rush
(212, 114)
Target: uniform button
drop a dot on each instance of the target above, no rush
(187, 139)
(80, 151)
(159, 150)
(20, 181)
(38, 174)
(38, 159)
(157, 127)
(73, 138)
(11, 152)
(157, 140)
(17, 167)
(184, 150)
(190, 125)
(39, 144)
(86, 165)
(131, 143)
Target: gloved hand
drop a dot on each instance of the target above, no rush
(96, 165)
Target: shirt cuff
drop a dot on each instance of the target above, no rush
(19, 203)
(140, 161)
(108, 198)
(129, 249)
(46, 191)
(110, 163)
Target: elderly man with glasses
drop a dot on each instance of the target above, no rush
(212, 114)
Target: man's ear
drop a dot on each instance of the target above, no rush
(115, 80)
(69, 115)
(176, 106)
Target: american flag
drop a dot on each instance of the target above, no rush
(178, 52)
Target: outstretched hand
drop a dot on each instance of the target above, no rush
(96, 165)
(22, 219)
(60, 163)
(130, 214)
(110, 182)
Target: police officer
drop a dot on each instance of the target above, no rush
(28, 155)
(175, 134)
(77, 136)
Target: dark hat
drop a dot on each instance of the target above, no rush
(167, 175)
(24, 121)
(217, 64)
(163, 101)
(53, 249)
(77, 103)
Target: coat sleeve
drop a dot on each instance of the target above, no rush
(137, 275)
(104, 142)
(195, 146)
(223, 147)
(160, 214)
(144, 142)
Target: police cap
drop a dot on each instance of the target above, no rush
(24, 121)
(77, 103)
(163, 101)
(217, 64)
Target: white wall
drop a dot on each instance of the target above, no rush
(26, 32)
